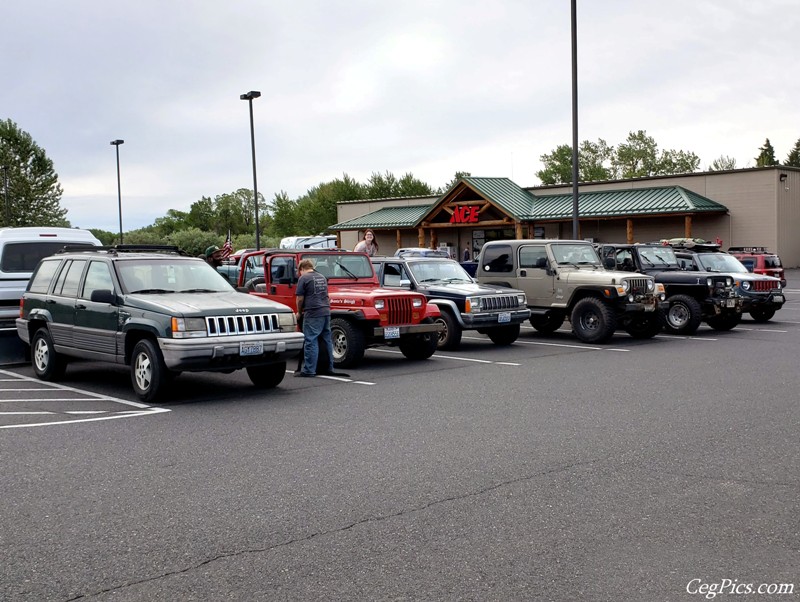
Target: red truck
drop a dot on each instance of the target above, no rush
(362, 313)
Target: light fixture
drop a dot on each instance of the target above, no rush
(249, 96)
(116, 143)
(782, 177)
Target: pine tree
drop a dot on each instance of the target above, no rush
(793, 159)
(766, 156)
(34, 194)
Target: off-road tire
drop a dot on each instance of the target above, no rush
(593, 321)
(419, 346)
(762, 315)
(504, 335)
(683, 316)
(267, 377)
(645, 327)
(251, 284)
(547, 324)
(450, 337)
(348, 343)
(725, 321)
(148, 371)
(47, 364)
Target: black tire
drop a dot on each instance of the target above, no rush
(450, 336)
(148, 372)
(267, 377)
(47, 364)
(419, 346)
(348, 343)
(592, 321)
(725, 321)
(547, 324)
(762, 315)
(504, 335)
(683, 316)
(645, 327)
(251, 284)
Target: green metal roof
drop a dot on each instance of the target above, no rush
(525, 206)
(387, 217)
(513, 200)
(619, 203)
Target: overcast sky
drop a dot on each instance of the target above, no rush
(361, 86)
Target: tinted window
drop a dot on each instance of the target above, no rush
(98, 278)
(73, 273)
(497, 258)
(532, 257)
(23, 256)
(43, 276)
(772, 262)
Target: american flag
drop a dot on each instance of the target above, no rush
(227, 248)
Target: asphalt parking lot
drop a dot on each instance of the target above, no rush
(548, 470)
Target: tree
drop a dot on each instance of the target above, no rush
(201, 214)
(637, 157)
(458, 175)
(766, 155)
(34, 193)
(283, 213)
(722, 163)
(104, 236)
(793, 159)
(173, 221)
(557, 166)
(593, 163)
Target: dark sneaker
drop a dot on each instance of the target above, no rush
(304, 374)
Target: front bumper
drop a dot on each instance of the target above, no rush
(491, 319)
(223, 353)
(723, 305)
(771, 301)
(647, 305)
(380, 332)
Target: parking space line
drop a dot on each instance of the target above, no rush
(760, 329)
(341, 379)
(141, 409)
(447, 357)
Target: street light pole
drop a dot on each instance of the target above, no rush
(5, 186)
(116, 143)
(249, 96)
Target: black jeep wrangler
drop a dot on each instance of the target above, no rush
(692, 297)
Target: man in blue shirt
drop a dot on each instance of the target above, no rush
(314, 312)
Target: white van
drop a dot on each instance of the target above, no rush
(20, 252)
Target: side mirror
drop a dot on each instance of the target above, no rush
(104, 295)
(610, 263)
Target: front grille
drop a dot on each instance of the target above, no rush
(222, 326)
(498, 302)
(637, 285)
(399, 310)
(763, 286)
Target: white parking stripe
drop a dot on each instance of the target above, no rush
(23, 413)
(18, 399)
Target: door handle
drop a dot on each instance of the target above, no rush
(272, 289)
(80, 306)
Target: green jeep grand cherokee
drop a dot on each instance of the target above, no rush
(154, 309)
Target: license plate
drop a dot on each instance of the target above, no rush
(251, 348)
(778, 298)
(730, 303)
(391, 332)
(504, 316)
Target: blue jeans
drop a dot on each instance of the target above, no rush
(314, 330)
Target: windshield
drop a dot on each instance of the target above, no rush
(658, 256)
(720, 262)
(430, 271)
(575, 254)
(343, 265)
(170, 275)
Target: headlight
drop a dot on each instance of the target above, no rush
(416, 302)
(709, 282)
(745, 285)
(380, 304)
(472, 304)
(287, 321)
(184, 328)
(623, 287)
(651, 285)
(728, 281)
(521, 299)
(660, 288)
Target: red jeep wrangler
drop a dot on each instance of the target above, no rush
(362, 314)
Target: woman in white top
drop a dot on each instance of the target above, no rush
(368, 244)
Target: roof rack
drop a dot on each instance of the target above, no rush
(117, 249)
(691, 243)
(748, 249)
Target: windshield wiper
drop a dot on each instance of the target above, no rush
(200, 290)
(348, 272)
(153, 291)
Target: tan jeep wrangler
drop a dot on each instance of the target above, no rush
(564, 279)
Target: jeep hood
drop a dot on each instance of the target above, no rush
(210, 304)
(598, 277)
(466, 289)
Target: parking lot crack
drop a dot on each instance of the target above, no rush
(372, 519)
